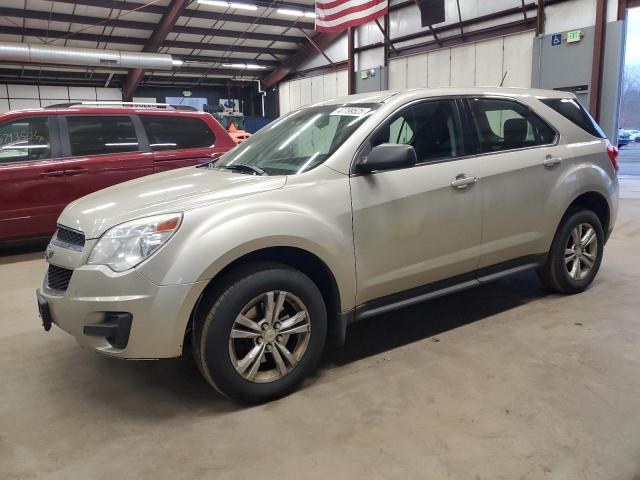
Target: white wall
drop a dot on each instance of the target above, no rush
(296, 93)
(15, 97)
(575, 14)
(476, 64)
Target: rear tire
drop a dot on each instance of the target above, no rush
(576, 253)
(260, 333)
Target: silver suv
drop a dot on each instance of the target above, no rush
(331, 214)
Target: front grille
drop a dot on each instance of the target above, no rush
(65, 237)
(58, 278)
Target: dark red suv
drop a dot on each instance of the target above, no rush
(52, 156)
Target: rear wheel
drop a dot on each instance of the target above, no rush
(576, 253)
(262, 334)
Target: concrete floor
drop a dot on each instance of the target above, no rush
(501, 382)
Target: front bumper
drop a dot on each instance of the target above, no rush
(96, 295)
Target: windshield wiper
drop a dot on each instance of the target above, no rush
(244, 168)
(214, 158)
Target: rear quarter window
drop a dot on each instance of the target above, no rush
(169, 133)
(574, 112)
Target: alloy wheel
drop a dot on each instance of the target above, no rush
(269, 336)
(581, 251)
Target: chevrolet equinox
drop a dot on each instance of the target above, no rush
(331, 214)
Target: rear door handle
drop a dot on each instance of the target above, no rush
(551, 162)
(76, 171)
(463, 181)
(52, 173)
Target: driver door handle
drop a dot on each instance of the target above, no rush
(551, 162)
(52, 173)
(463, 181)
(76, 171)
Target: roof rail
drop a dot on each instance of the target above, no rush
(115, 103)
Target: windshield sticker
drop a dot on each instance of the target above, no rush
(351, 111)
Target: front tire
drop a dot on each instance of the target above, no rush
(576, 253)
(261, 332)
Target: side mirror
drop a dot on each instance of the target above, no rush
(388, 156)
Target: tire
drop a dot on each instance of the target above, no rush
(564, 272)
(231, 365)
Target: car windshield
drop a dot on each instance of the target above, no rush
(297, 142)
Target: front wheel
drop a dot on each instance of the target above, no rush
(576, 253)
(263, 333)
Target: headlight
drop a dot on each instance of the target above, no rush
(125, 246)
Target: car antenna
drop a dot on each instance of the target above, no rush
(503, 77)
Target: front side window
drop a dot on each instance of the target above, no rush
(432, 128)
(25, 139)
(299, 141)
(168, 133)
(97, 135)
(503, 124)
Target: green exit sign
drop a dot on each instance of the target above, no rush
(186, 93)
(574, 36)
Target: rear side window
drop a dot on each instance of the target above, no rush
(573, 111)
(168, 133)
(503, 124)
(25, 139)
(97, 135)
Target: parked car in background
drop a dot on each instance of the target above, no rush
(52, 156)
(634, 135)
(332, 214)
(624, 138)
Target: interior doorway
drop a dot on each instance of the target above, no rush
(629, 132)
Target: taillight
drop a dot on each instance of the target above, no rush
(613, 156)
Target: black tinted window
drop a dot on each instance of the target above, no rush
(505, 125)
(25, 139)
(96, 135)
(432, 128)
(572, 110)
(167, 133)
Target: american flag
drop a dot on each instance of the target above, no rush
(336, 15)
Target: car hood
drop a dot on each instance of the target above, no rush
(167, 192)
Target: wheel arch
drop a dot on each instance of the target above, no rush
(597, 203)
(305, 261)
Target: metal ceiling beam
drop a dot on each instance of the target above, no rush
(385, 35)
(318, 48)
(214, 59)
(155, 41)
(90, 37)
(191, 72)
(203, 14)
(465, 23)
(453, 40)
(136, 25)
(322, 40)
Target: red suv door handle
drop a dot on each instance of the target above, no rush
(76, 171)
(52, 173)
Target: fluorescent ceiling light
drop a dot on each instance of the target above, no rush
(296, 13)
(229, 4)
(247, 66)
(176, 63)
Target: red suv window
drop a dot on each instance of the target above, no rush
(168, 133)
(101, 134)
